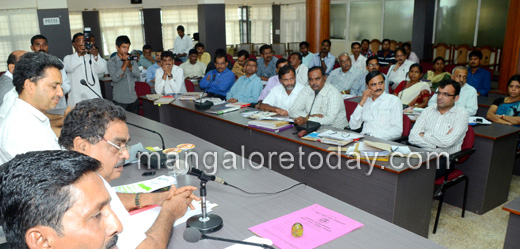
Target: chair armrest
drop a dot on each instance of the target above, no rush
(401, 140)
(457, 155)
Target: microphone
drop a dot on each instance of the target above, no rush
(83, 82)
(315, 95)
(193, 235)
(207, 104)
(203, 176)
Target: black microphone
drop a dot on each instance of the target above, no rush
(193, 235)
(315, 95)
(83, 82)
(203, 176)
(207, 104)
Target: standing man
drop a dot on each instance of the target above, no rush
(238, 68)
(247, 88)
(218, 81)
(324, 59)
(328, 108)
(169, 78)
(182, 44)
(281, 97)
(146, 59)
(358, 60)
(306, 55)
(478, 78)
(266, 64)
(296, 61)
(365, 48)
(83, 65)
(6, 80)
(124, 74)
(386, 56)
(37, 80)
(343, 77)
(380, 113)
(193, 68)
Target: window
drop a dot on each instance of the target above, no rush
(398, 20)
(338, 21)
(456, 21)
(171, 17)
(492, 23)
(116, 22)
(292, 22)
(17, 26)
(365, 20)
(76, 22)
(232, 24)
(261, 23)
(244, 24)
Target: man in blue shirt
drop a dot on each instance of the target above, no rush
(478, 78)
(150, 73)
(248, 87)
(324, 59)
(218, 81)
(266, 64)
(146, 59)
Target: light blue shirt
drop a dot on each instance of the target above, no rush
(246, 89)
(360, 85)
(218, 83)
(329, 62)
(150, 73)
(266, 71)
(307, 59)
(145, 62)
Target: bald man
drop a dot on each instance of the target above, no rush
(6, 80)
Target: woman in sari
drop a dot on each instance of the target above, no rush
(414, 92)
(506, 110)
(438, 73)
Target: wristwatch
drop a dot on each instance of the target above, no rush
(322, 59)
(137, 200)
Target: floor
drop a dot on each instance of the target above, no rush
(480, 231)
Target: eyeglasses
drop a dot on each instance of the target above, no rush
(120, 149)
(373, 64)
(445, 94)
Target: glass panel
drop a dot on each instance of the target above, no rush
(492, 23)
(456, 21)
(338, 21)
(398, 20)
(361, 27)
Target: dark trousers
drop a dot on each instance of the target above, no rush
(132, 107)
(442, 169)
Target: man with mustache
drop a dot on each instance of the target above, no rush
(386, 56)
(266, 63)
(328, 108)
(360, 85)
(97, 128)
(281, 97)
(343, 78)
(478, 77)
(324, 59)
(54, 199)
(380, 113)
(273, 80)
(247, 88)
(296, 61)
(169, 78)
(37, 80)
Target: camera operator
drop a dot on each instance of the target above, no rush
(84, 64)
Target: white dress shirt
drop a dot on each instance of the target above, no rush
(400, 74)
(302, 74)
(182, 45)
(174, 85)
(467, 99)
(436, 128)
(278, 97)
(25, 129)
(413, 57)
(360, 63)
(79, 68)
(328, 103)
(343, 81)
(128, 239)
(7, 103)
(381, 118)
(193, 70)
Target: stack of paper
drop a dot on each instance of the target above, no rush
(216, 101)
(270, 125)
(147, 186)
(379, 151)
(222, 109)
(164, 100)
(333, 137)
(239, 104)
(153, 96)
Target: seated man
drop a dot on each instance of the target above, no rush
(238, 68)
(410, 55)
(266, 63)
(6, 80)
(306, 55)
(146, 59)
(468, 94)
(365, 48)
(301, 69)
(478, 77)
(441, 127)
(281, 97)
(169, 78)
(193, 68)
(247, 88)
(360, 85)
(150, 73)
(54, 199)
(97, 128)
(343, 77)
(211, 64)
(202, 56)
(358, 60)
(380, 113)
(386, 56)
(37, 80)
(324, 58)
(273, 81)
(218, 81)
(328, 108)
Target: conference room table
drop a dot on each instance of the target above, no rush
(241, 211)
(513, 226)
(401, 195)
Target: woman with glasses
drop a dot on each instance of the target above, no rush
(506, 110)
(413, 92)
(438, 73)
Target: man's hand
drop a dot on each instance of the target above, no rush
(178, 204)
(300, 120)
(94, 51)
(264, 78)
(281, 111)
(149, 57)
(368, 93)
(209, 77)
(449, 131)
(191, 197)
(232, 100)
(167, 68)
(323, 55)
(421, 134)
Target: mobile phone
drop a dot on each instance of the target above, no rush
(149, 173)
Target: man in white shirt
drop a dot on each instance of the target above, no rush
(358, 61)
(282, 96)
(301, 69)
(6, 80)
(97, 128)
(169, 78)
(193, 68)
(409, 53)
(182, 44)
(37, 80)
(83, 65)
(398, 72)
(328, 108)
(441, 127)
(380, 113)
(343, 77)
(468, 95)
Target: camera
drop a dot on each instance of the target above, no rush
(88, 42)
(132, 58)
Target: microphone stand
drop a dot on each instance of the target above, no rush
(207, 104)
(205, 223)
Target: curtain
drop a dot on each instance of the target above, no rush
(292, 23)
(261, 23)
(232, 25)
(17, 26)
(171, 17)
(76, 22)
(116, 22)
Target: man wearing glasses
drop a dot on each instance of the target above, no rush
(266, 64)
(442, 127)
(97, 128)
(360, 85)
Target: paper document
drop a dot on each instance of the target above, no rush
(147, 186)
(153, 96)
(340, 135)
(478, 120)
(320, 225)
(164, 100)
(252, 239)
(145, 217)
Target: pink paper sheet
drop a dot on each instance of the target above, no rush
(320, 225)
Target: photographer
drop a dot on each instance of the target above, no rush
(84, 64)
